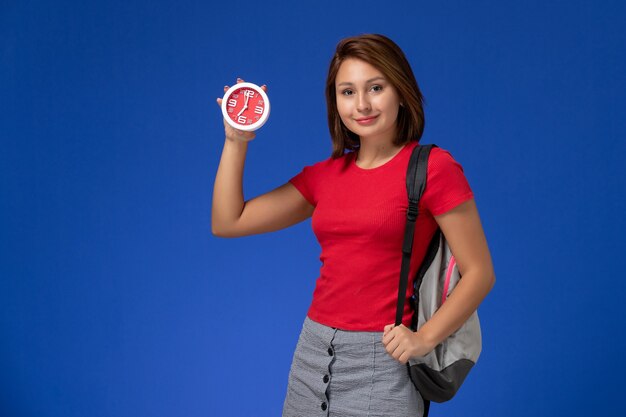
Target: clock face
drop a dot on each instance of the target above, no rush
(245, 106)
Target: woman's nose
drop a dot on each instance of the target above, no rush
(363, 103)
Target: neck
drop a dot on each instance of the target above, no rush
(375, 154)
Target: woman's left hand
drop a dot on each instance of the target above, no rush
(402, 343)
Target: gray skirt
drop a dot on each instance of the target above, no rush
(343, 373)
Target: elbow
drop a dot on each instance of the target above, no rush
(223, 227)
(484, 279)
(491, 280)
(217, 231)
(218, 227)
(221, 231)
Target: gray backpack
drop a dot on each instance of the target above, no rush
(439, 374)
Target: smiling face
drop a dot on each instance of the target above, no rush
(367, 102)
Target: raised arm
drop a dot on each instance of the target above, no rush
(231, 215)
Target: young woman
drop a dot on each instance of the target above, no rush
(349, 360)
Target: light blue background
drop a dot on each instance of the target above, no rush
(116, 300)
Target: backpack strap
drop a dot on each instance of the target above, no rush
(415, 186)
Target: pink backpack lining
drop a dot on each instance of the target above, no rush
(446, 284)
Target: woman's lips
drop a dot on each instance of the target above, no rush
(366, 120)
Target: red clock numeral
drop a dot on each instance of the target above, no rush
(258, 110)
(241, 119)
(232, 102)
(248, 93)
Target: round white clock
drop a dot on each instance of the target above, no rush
(245, 106)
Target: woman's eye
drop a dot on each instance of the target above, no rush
(347, 92)
(377, 88)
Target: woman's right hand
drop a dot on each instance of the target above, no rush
(236, 134)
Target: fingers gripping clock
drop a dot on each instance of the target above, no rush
(245, 106)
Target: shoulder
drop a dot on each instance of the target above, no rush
(441, 156)
(319, 171)
(311, 177)
(441, 162)
(446, 184)
(328, 164)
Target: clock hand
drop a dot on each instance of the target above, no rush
(245, 106)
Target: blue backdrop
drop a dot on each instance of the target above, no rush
(116, 300)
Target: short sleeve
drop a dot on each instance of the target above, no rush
(446, 185)
(305, 183)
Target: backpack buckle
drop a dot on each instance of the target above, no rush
(412, 211)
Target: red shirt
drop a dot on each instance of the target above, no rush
(359, 221)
